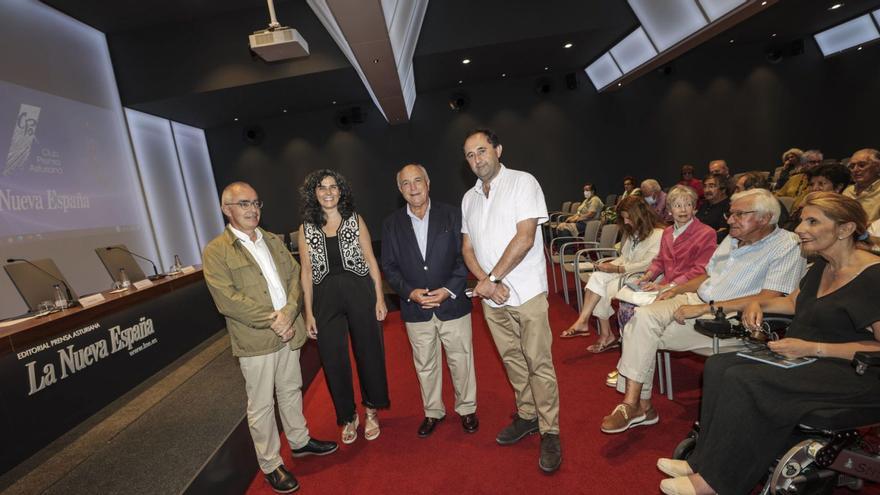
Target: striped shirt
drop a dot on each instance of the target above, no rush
(772, 263)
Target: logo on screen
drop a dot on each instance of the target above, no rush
(22, 138)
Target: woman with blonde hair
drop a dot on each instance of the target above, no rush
(751, 408)
(642, 230)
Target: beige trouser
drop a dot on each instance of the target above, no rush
(571, 227)
(651, 329)
(522, 336)
(278, 372)
(605, 285)
(455, 336)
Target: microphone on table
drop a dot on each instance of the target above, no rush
(155, 276)
(66, 287)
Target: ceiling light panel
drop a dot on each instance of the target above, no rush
(715, 9)
(633, 51)
(603, 71)
(877, 16)
(847, 35)
(669, 21)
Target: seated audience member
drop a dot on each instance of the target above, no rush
(756, 180)
(589, 209)
(752, 409)
(717, 202)
(824, 178)
(642, 230)
(796, 185)
(791, 159)
(874, 234)
(685, 248)
(719, 168)
(656, 198)
(865, 169)
(688, 179)
(629, 189)
(756, 261)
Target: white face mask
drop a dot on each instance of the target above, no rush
(650, 200)
(588, 194)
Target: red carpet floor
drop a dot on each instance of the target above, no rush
(451, 461)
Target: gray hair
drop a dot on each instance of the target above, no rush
(763, 201)
(651, 184)
(681, 192)
(811, 152)
(794, 151)
(226, 195)
(423, 169)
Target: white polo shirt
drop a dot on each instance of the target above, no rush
(490, 223)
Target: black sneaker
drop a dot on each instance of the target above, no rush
(515, 431)
(282, 481)
(551, 453)
(315, 447)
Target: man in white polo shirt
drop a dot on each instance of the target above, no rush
(502, 247)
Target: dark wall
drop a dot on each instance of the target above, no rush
(719, 102)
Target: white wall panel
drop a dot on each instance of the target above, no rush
(164, 189)
(198, 178)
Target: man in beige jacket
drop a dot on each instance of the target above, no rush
(255, 284)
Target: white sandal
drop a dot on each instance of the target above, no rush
(350, 431)
(371, 425)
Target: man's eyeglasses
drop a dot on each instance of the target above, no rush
(860, 165)
(246, 205)
(737, 214)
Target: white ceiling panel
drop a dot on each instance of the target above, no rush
(603, 71)
(847, 35)
(633, 51)
(716, 9)
(668, 21)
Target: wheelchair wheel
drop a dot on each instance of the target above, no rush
(686, 447)
(797, 472)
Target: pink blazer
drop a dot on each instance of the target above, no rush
(684, 258)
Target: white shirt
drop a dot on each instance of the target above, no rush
(772, 263)
(677, 231)
(260, 251)
(490, 223)
(420, 227)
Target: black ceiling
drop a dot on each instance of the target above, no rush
(170, 40)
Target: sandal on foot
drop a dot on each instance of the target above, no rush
(350, 431)
(371, 425)
(574, 332)
(599, 347)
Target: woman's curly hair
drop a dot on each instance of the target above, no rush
(310, 210)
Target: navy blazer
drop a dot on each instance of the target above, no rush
(405, 269)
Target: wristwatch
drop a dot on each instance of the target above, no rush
(494, 279)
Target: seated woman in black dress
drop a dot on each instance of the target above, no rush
(750, 409)
(342, 298)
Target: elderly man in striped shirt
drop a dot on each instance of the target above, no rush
(758, 260)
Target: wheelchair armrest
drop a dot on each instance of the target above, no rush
(863, 360)
(717, 327)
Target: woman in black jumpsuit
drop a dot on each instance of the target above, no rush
(750, 409)
(343, 298)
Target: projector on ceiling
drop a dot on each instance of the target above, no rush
(279, 43)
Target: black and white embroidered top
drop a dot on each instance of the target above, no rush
(347, 236)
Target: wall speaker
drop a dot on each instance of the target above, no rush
(571, 81)
(776, 53)
(346, 118)
(253, 135)
(543, 86)
(459, 102)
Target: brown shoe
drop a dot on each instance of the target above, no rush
(651, 418)
(622, 418)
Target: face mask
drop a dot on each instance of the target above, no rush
(588, 194)
(650, 200)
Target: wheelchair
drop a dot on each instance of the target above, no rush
(825, 456)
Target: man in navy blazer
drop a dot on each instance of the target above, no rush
(422, 261)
